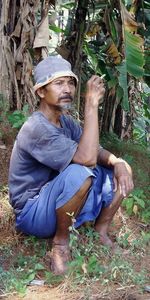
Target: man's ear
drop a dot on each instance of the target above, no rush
(40, 92)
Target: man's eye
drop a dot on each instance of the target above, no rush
(71, 82)
(58, 82)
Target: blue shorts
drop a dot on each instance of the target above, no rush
(38, 217)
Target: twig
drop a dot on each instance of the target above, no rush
(124, 287)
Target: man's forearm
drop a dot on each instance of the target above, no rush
(86, 153)
(107, 159)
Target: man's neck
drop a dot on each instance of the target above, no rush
(51, 113)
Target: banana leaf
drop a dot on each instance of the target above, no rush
(92, 58)
(113, 52)
(133, 44)
(123, 84)
(128, 21)
(134, 54)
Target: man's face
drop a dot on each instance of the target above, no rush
(59, 93)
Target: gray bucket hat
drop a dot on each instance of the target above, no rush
(51, 68)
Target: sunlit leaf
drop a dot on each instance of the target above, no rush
(68, 5)
(135, 209)
(55, 28)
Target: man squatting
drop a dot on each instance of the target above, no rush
(58, 168)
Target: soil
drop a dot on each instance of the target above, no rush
(61, 291)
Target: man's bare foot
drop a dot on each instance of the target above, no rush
(105, 240)
(60, 256)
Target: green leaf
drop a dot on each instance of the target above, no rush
(113, 30)
(128, 203)
(55, 28)
(134, 54)
(68, 5)
(119, 93)
(123, 84)
(140, 202)
(29, 277)
(39, 267)
(112, 82)
(92, 58)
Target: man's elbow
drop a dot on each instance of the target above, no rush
(85, 161)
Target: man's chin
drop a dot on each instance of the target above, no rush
(66, 106)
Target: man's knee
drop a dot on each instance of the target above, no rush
(77, 173)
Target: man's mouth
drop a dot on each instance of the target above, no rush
(68, 98)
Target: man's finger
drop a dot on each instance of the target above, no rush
(115, 185)
(123, 190)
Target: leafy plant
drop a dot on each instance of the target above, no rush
(18, 278)
(23, 268)
(136, 204)
(123, 240)
(18, 117)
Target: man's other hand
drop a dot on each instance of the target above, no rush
(123, 178)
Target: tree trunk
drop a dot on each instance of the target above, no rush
(72, 48)
(18, 27)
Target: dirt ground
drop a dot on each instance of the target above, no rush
(96, 291)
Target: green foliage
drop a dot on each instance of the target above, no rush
(68, 5)
(55, 28)
(123, 84)
(138, 156)
(20, 275)
(142, 121)
(134, 54)
(138, 204)
(93, 262)
(11, 122)
(24, 268)
(141, 242)
(17, 279)
(123, 240)
(18, 117)
(93, 58)
(135, 202)
(52, 279)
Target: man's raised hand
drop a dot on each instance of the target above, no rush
(95, 90)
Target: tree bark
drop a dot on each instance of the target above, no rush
(18, 27)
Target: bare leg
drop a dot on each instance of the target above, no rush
(104, 219)
(60, 254)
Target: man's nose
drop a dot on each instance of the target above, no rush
(66, 88)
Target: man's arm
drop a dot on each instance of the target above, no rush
(86, 153)
(107, 159)
(122, 171)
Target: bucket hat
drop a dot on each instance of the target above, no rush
(51, 68)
